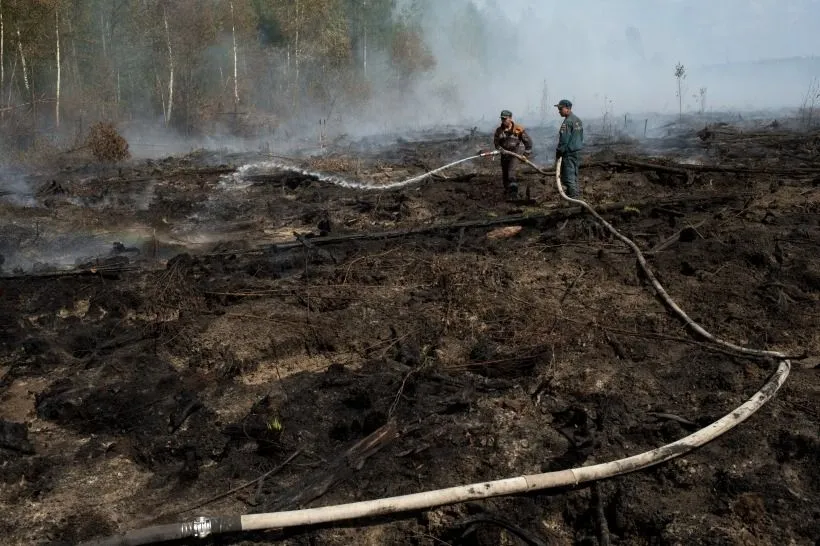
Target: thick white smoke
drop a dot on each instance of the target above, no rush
(621, 56)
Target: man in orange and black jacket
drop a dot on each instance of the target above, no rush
(511, 136)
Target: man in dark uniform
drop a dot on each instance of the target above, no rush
(570, 144)
(510, 136)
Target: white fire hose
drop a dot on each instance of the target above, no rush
(204, 526)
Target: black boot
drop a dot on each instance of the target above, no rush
(512, 191)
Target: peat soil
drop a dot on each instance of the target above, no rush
(174, 329)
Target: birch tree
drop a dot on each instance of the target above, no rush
(364, 41)
(169, 107)
(371, 23)
(57, 35)
(2, 50)
(23, 62)
(184, 59)
(297, 21)
(317, 34)
(680, 74)
(102, 34)
(74, 64)
(235, 62)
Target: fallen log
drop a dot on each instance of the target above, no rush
(621, 163)
(531, 219)
(685, 169)
(106, 273)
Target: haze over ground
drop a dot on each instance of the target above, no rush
(747, 54)
(211, 73)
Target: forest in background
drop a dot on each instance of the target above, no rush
(243, 67)
(277, 69)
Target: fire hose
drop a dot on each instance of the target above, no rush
(204, 526)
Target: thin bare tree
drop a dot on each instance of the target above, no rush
(235, 63)
(170, 107)
(23, 61)
(297, 17)
(102, 32)
(545, 101)
(364, 40)
(2, 49)
(680, 74)
(57, 34)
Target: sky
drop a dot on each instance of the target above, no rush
(620, 57)
(702, 31)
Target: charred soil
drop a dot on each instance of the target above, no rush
(232, 322)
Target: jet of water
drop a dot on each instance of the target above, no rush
(255, 168)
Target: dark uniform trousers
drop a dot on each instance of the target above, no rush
(508, 166)
(569, 174)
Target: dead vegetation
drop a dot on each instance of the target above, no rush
(336, 164)
(430, 337)
(106, 144)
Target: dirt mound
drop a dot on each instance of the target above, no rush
(106, 143)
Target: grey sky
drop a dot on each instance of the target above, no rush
(623, 53)
(708, 31)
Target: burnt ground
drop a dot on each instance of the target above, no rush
(234, 325)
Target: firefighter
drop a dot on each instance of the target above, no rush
(511, 137)
(570, 144)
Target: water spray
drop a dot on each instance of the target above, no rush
(203, 526)
(247, 170)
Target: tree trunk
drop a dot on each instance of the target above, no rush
(296, 58)
(2, 61)
(2, 51)
(11, 79)
(57, 33)
(235, 64)
(680, 101)
(74, 67)
(102, 31)
(171, 72)
(23, 61)
(161, 96)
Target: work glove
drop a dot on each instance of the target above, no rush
(527, 153)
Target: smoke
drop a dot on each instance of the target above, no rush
(525, 55)
(609, 58)
(15, 190)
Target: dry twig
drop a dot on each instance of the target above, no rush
(237, 488)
